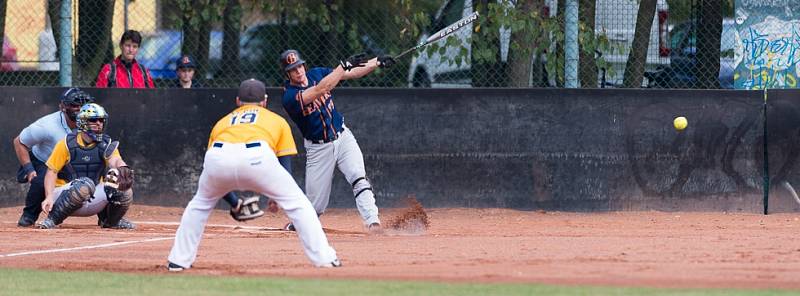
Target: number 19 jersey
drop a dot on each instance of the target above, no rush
(253, 123)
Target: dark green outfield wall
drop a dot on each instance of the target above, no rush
(576, 150)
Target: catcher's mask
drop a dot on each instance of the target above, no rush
(92, 113)
(74, 97)
(291, 59)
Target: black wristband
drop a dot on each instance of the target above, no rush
(28, 168)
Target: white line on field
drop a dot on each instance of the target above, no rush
(84, 247)
(212, 225)
(207, 225)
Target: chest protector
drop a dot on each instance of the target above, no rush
(84, 162)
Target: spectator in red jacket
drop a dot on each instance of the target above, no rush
(125, 71)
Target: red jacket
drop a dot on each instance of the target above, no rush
(136, 80)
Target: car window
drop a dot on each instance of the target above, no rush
(450, 14)
(676, 36)
(158, 51)
(728, 41)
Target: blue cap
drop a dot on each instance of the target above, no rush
(185, 61)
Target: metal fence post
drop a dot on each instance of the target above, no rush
(65, 52)
(571, 44)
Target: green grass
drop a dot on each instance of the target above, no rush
(33, 282)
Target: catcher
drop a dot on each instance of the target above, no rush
(91, 176)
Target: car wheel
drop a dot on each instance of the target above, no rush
(421, 79)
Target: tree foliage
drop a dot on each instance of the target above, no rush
(95, 46)
(534, 37)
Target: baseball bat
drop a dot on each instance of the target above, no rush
(442, 33)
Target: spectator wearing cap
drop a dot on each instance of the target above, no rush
(124, 71)
(185, 72)
(34, 145)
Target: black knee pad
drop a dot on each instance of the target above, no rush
(81, 190)
(360, 185)
(118, 206)
(71, 199)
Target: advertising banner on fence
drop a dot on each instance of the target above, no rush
(769, 51)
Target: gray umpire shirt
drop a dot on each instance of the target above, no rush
(43, 134)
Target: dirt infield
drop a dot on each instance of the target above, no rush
(467, 245)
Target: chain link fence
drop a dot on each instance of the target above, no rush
(620, 43)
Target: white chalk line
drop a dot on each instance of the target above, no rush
(136, 241)
(214, 225)
(207, 225)
(85, 247)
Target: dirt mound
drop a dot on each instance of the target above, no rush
(413, 220)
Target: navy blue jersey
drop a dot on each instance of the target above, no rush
(319, 120)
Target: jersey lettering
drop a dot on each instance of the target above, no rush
(317, 104)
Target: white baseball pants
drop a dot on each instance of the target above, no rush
(236, 167)
(345, 154)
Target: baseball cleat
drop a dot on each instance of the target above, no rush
(375, 228)
(25, 221)
(47, 224)
(289, 227)
(334, 263)
(175, 267)
(122, 224)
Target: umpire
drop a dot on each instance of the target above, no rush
(34, 145)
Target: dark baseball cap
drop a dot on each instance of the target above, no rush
(252, 90)
(291, 59)
(185, 61)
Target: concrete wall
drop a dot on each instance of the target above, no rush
(577, 150)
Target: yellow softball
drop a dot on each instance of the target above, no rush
(680, 123)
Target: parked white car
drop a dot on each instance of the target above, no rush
(614, 18)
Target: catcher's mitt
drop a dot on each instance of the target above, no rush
(120, 178)
(248, 209)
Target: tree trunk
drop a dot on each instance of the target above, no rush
(95, 43)
(587, 68)
(560, 55)
(230, 40)
(520, 62)
(331, 38)
(54, 11)
(709, 30)
(3, 4)
(637, 57)
(196, 37)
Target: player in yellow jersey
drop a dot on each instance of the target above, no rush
(242, 154)
(77, 166)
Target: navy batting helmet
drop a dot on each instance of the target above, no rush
(290, 59)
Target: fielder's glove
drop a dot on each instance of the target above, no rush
(386, 61)
(354, 61)
(247, 209)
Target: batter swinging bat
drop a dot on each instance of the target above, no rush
(443, 33)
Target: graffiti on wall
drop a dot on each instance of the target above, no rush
(768, 50)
